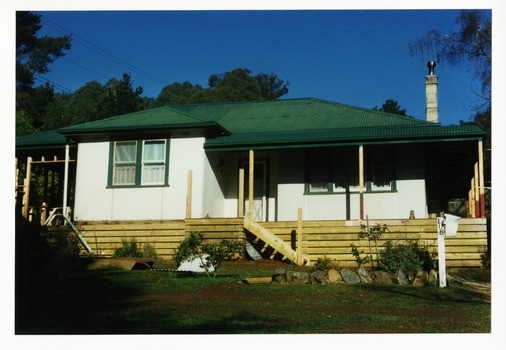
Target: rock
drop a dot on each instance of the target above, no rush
(400, 278)
(364, 276)
(288, 276)
(433, 278)
(279, 276)
(318, 277)
(333, 276)
(449, 280)
(349, 276)
(421, 279)
(382, 277)
(300, 277)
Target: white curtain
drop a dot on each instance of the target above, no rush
(124, 163)
(153, 171)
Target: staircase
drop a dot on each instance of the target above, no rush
(274, 241)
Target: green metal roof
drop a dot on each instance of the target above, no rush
(361, 135)
(156, 118)
(294, 115)
(274, 123)
(47, 139)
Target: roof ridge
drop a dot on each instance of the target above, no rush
(421, 121)
(237, 102)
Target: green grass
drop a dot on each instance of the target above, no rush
(149, 302)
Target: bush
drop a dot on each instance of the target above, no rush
(191, 248)
(409, 256)
(131, 250)
(323, 264)
(356, 253)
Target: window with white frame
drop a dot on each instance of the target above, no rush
(124, 163)
(153, 162)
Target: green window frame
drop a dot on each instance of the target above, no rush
(138, 163)
(341, 167)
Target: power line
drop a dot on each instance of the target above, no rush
(103, 52)
(61, 87)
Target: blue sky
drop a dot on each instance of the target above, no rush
(355, 57)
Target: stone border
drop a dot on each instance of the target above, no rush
(355, 276)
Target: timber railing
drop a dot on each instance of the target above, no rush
(331, 239)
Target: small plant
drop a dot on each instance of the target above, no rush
(356, 253)
(191, 248)
(323, 264)
(372, 234)
(130, 249)
(409, 256)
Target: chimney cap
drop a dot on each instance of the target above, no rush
(431, 65)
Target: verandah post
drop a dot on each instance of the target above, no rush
(299, 236)
(482, 179)
(476, 191)
(250, 187)
(471, 204)
(66, 180)
(241, 193)
(361, 179)
(189, 196)
(26, 196)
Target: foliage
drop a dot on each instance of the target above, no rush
(121, 97)
(33, 53)
(129, 249)
(372, 234)
(356, 253)
(391, 106)
(323, 264)
(409, 256)
(471, 45)
(191, 248)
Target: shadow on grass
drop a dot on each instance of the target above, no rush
(450, 294)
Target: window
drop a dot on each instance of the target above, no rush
(153, 163)
(139, 163)
(336, 170)
(124, 166)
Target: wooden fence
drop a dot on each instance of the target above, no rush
(319, 238)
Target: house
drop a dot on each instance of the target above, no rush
(334, 161)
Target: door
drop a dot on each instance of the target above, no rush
(259, 190)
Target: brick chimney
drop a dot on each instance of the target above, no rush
(431, 111)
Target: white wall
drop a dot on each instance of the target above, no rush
(94, 201)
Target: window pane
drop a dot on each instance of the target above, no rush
(124, 175)
(154, 151)
(318, 181)
(125, 151)
(153, 174)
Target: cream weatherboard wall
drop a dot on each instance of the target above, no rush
(94, 201)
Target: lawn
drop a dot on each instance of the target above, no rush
(154, 302)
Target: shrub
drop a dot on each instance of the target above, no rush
(323, 264)
(356, 253)
(191, 248)
(409, 256)
(129, 249)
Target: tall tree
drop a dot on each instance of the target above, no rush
(177, 93)
(122, 98)
(271, 86)
(34, 54)
(471, 45)
(391, 106)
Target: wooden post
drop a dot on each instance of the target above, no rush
(469, 203)
(250, 187)
(189, 196)
(66, 179)
(299, 236)
(241, 193)
(361, 179)
(472, 204)
(476, 190)
(43, 213)
(26, 196)
(482, 178)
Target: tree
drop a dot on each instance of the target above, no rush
(177, 93)
(471, 45)
(88, 103)
(391, 106)
(122, 98)
(34, 54)
(271, 86)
